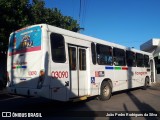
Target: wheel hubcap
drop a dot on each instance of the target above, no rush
(106, 91)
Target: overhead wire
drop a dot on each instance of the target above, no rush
(73, 8)
(80, 6)
(82, 13)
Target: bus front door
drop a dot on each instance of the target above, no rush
(78, 70)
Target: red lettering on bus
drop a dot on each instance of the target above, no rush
(140, 73)
(30, 73)
(66, 74)
(59, 74)
(56, 74)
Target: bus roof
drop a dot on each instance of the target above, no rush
(82, 36)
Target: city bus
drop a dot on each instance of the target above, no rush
(58, 64)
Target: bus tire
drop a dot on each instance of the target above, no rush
(105, 92)
(146, 84)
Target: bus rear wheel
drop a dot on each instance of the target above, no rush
(106, 91)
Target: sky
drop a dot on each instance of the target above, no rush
(126, 22)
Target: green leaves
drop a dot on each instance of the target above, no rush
(16, 14)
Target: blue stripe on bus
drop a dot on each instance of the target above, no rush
(109, 68)
(23, 66)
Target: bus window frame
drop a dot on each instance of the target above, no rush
(109, 56)
(137, 54)
(115, 56)
(147, 63)
(55, 58)
(127, 58)
(93, 53)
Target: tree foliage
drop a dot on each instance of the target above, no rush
(16, 14)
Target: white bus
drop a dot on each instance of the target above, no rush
(58, 64)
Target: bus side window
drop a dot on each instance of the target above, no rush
(93, 50)
(72, 58)
(140, 60)
(57, 48)
(130, 58)
(104, 54)
(82, 59)
(146, 61)
(119, 57)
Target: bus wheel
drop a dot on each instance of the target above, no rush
(106, 91)
(146, 84)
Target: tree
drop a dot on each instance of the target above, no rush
(54, 17)
(16, 14)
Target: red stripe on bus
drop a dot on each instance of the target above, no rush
(14, 67)
(25, 50)
(124, 68)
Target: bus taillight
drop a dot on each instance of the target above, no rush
(41, 79)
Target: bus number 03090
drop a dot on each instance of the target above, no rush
(60, 74)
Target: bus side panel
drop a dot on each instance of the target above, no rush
(59, 80)
(120, 78)
(140, 74)
(98, 74)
